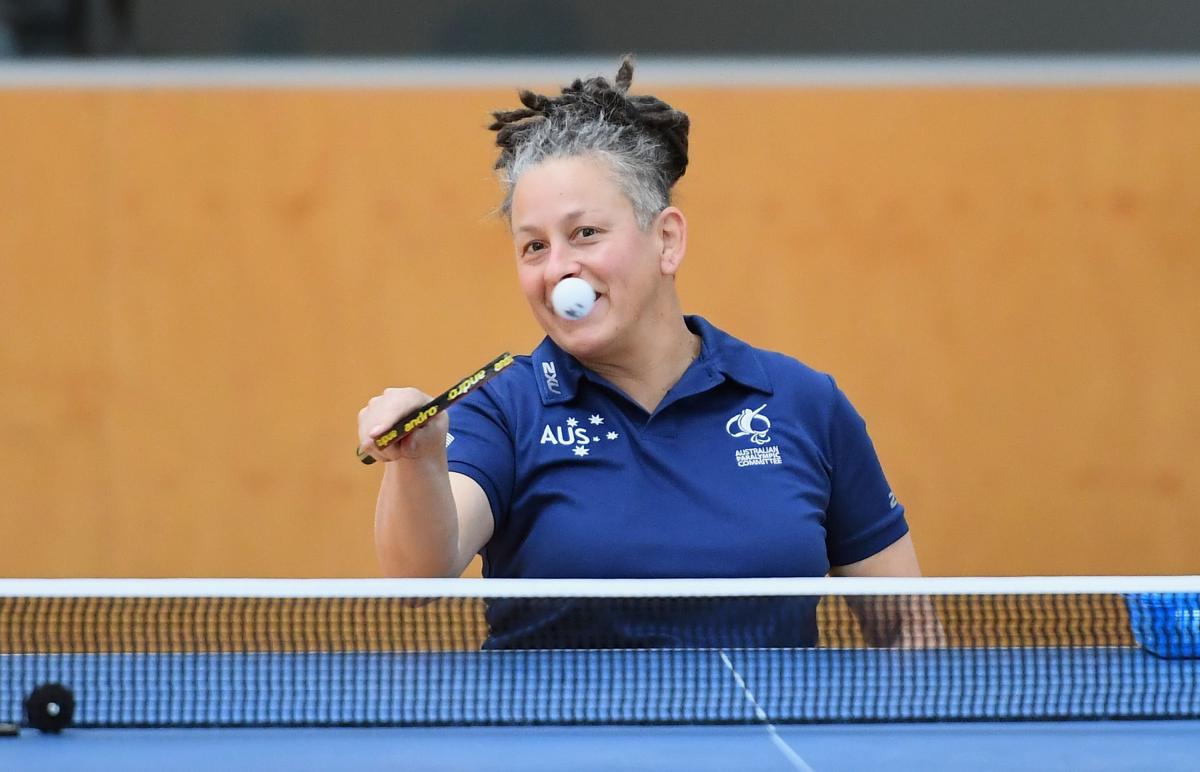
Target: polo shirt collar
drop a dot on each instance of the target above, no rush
(558, 373)
(723, 353)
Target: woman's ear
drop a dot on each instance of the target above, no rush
(671, 230)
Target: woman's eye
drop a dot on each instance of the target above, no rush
(534, 246)
(586, 232)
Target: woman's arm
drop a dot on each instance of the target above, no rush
(905, 621)
(428, 521)
(897, 559)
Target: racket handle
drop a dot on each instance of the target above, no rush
(417, 418)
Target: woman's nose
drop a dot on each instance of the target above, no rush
(563, 262)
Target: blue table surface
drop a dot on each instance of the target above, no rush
(1100, 746)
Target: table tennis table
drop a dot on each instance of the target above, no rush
(985, 708)
(1017, 673)
(1165, 746)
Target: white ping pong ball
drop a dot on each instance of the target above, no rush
(573, 298)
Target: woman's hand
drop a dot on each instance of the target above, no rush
(382, 412)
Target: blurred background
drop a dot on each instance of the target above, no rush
(225, 225)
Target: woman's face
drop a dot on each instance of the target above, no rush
(569, 218)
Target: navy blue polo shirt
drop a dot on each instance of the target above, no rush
(753, 465)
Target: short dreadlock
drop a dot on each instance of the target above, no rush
(643, 139)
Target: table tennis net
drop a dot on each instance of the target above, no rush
(371, 653)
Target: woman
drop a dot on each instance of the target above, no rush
(636, 441)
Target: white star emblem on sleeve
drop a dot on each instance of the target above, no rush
(572, 422)
(580, 451)
(595, 420)
(612, 435)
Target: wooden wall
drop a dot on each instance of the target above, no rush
(200, 288)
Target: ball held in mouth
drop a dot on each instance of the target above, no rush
(573, 298)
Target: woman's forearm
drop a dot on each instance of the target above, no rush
(416, 522)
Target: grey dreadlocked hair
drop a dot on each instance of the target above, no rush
(643, 139)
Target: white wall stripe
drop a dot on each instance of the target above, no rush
(599, 588)
(652, 72)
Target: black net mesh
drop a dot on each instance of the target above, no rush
(293, 661)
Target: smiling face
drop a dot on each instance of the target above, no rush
(570, 218)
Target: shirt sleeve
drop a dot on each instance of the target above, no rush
(863, 515)
(480, 445)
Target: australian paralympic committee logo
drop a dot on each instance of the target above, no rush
(756, 426)
(750, 422)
